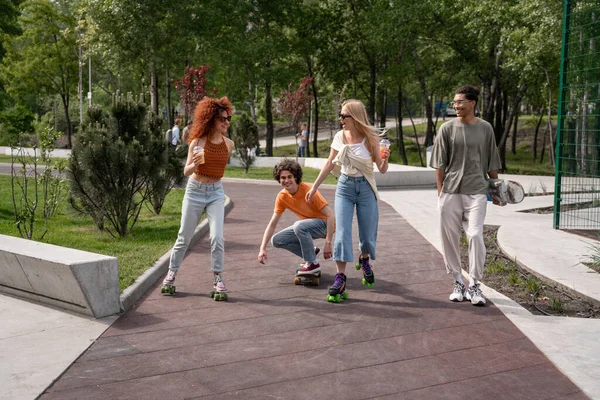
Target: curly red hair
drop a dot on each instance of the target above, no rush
(207, 111)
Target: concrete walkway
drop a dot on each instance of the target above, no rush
(401, 339)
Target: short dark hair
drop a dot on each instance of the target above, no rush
(471, 92)
(288, 165)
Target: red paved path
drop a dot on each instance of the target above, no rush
(401, 339)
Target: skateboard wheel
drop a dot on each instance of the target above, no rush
(297, 280)
(316, 282)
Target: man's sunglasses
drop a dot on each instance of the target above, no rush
(344, 116)
(223, 119)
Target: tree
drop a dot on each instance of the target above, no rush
(244, 133)
(44, 58)
(112, 165)
(295, 103)
(192, 88)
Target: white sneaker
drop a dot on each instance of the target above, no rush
(458, 293)
(474, 294)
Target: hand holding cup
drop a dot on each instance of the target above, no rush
(198, 157)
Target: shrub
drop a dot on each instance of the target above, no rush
(113, 165)
(244, 133)
(35, 178)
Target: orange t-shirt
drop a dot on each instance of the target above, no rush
(297, 203)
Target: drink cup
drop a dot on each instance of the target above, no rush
(199, 150)
(384, 144)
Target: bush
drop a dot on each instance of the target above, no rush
(244, 133)
(35, 179)
(113, 165)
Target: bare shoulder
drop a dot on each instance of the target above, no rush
(230, 143)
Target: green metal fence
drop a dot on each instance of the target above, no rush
(577, 191)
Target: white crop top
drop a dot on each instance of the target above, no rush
(360, 150)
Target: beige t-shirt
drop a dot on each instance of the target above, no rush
(466, 153)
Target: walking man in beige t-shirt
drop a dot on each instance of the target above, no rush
(464, 156)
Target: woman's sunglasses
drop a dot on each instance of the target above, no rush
(223, 119)
(344, 116)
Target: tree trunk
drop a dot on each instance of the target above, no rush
(65, 100)
(513, 147)
(169, 113)
(269, 111)
(507, 120)
(399, 130)
(428, 111)
(535, 136)
(153, 91)
(550, 132)
(372, 88)
(251, 94)
(316, 116)
(416, 137)
(382, 106)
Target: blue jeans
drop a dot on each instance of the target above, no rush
(199, 197)
(298, 238)
(351, 192)
(301, 151)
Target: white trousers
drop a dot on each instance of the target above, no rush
(466, 211)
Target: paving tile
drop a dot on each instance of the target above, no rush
(401, 339)
(536, 382)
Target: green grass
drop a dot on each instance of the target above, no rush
(152, 236)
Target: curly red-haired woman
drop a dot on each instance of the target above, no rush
(209, 150)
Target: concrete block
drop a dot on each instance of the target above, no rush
(75, 280)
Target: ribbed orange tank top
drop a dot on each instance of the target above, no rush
(215, 160)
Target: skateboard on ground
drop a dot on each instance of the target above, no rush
(308, 279)
(505, 192)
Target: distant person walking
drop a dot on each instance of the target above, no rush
(303, 140)
(353, 151)
(207, 158)
(185, 135)
(464, 156)
(176, 138)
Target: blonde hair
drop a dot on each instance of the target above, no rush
(356, 109)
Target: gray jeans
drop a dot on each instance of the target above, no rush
(198, 197)
(298, 238)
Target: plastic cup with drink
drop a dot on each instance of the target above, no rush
(199, 150)
(384, 144)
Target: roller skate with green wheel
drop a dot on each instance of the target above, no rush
(366, 267)
(219, 292)
(337, 291)
(169, 283)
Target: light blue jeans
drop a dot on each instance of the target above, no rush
(298, 238)
(351, 192)
(199, 197)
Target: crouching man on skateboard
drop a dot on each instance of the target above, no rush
(317, 220)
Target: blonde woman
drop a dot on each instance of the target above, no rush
(353, 151)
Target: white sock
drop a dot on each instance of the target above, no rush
(473, 283)
(458, 278)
